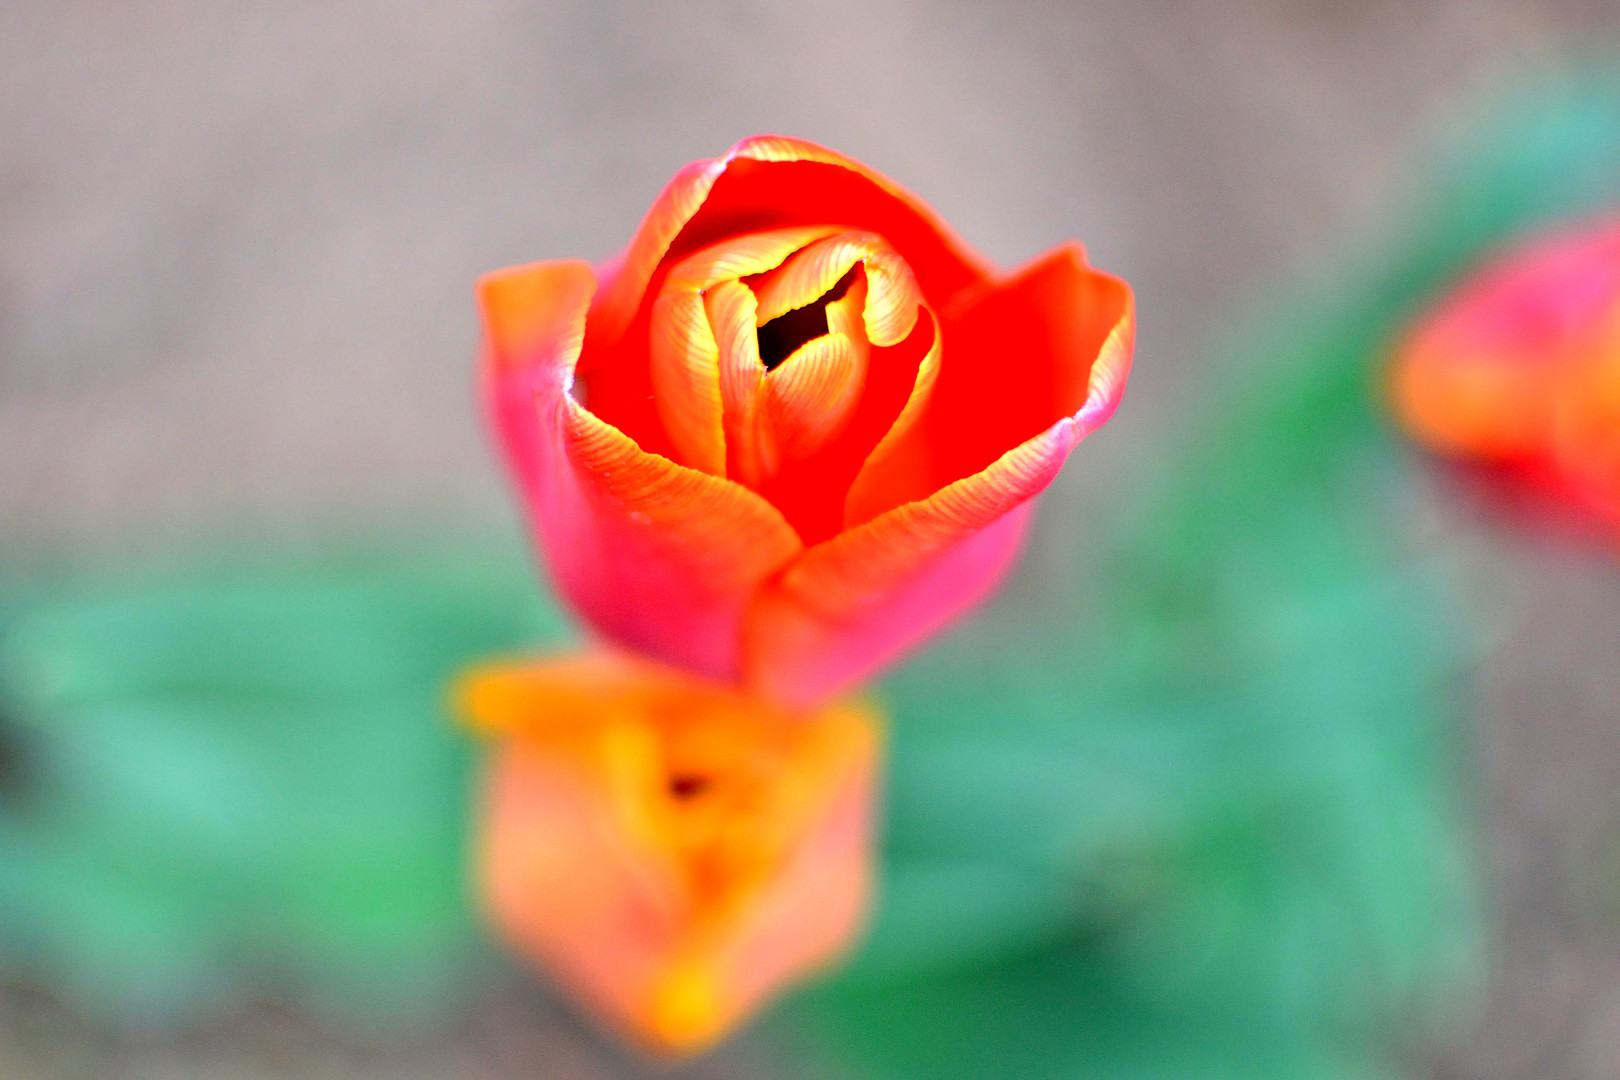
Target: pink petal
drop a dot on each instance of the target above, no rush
(854, 604)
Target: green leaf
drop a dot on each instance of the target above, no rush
(240, 774)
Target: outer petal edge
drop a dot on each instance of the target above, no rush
(627, 276)
(659, 557)
(852, 605)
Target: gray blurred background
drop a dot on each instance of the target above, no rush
(237, 247)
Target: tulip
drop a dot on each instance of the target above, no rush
(798, 426)
(1516, 374)
(672, 849)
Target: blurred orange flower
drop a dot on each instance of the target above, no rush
(797, 426)
(674, 851)
(1516, 375)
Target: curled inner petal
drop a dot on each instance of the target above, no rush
(684, 357)
(809, 399)
(731, 310)
(893, 296)
(780, 338)
(794, 408)
(782, 359)
(685, 379)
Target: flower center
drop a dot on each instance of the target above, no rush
(781, 359)
(688, 785)
(781, 337)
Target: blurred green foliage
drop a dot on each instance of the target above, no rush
(239, 775)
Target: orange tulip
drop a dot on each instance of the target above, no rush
(797, 427)
(674, 851)
(1517, 374)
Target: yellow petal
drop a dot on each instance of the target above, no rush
(892, 292)
(810, 397)
(684, 355)
(730, 307)
(684, 361)
(743, 256)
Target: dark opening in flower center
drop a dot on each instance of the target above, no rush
(779, 338)
(684, 786)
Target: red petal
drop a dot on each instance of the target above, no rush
(657, 556)
(854, 604)
(1054, 340)
(811, 492)
(770, 181)
(761, 183)
(900, 462)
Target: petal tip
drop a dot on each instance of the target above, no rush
(529, 311)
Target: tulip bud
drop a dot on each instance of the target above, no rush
(1515, 376)
(674, 852)
(798, 427)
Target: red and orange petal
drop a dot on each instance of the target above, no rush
(674, 852)
(851, 606)
(1517, 373)
(669, 560)
(762, 183)
(771, 181)
(1465, 406)
(1053, 340)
